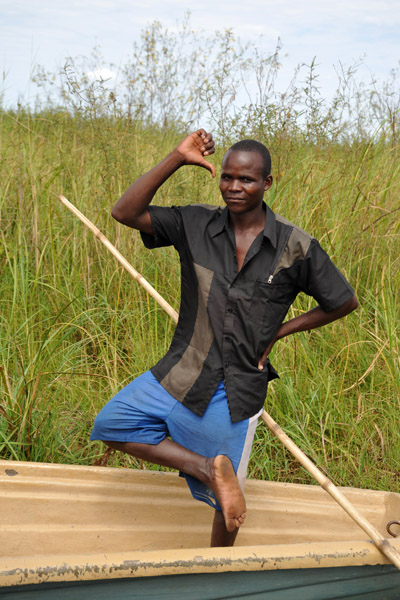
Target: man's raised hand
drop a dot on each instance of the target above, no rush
(131, 208)
(195, 147)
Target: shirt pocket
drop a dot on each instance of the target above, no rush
(277, 293)
(270, 302)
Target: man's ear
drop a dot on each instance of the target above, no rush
(268, 182)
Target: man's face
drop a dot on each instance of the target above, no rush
(242, 183)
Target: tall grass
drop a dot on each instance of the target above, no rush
(75, 328)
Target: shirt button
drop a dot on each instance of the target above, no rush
(230, 310)
(227, 365)
(227, 338)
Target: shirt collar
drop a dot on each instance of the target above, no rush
(222, 222)
(270, 225)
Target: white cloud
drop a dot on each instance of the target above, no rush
(101, 74)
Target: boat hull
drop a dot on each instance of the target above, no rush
(121, 533)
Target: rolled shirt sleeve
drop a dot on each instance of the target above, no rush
(322, 280)
(167, 227)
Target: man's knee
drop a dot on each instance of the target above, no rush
(115, 445)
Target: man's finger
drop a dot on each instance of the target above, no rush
(208, 149)
(209, 167)
(208, 146)
(261, 362)
(206, 138)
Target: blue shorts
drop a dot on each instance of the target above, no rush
(144, 412)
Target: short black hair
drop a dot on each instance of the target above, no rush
(254, 146)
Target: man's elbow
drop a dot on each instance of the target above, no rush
(142, 222)
(354, 303)
(350, 305)
(116, 214)
(119, 215)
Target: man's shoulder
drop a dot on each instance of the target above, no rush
(202, 208)
(200, 215)
(297, 242)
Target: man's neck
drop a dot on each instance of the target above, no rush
(250, 221)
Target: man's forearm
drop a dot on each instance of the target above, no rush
(310, 320)
(131, 208)
(316, 318)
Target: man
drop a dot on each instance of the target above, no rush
(241, 269)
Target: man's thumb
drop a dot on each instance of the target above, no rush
(209, 167)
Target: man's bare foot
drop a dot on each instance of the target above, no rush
(227, 489)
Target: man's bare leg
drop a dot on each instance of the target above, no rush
(217, 473)
(220, 536)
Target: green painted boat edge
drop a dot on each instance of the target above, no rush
(378, 582)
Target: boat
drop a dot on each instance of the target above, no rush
(69, 531)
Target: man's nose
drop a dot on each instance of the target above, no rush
(235, 185)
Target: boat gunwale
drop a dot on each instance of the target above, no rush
(88, 567)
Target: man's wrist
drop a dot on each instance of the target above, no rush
(177, 157)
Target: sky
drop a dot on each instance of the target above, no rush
(45, 32)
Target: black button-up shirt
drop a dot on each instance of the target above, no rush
(228, 317)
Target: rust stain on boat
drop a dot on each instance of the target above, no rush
(11, 472)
